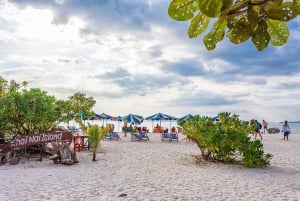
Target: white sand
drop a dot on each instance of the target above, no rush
(156, 170)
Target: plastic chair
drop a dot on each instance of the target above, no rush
(165, 136)
(144, 136)
(174, 136)
(77, 143)
(115, 136)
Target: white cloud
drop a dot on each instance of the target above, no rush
(135, 59)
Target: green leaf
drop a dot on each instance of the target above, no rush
(241, 30)
(261, 37)
(278, 31)
(252, 16)
(183, 10)
(215, 35)
(297, 6)
(286, 12)
(198, 25)
(211, 8)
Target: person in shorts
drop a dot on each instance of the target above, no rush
(286, 130)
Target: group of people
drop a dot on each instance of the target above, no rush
(257, 126)
(264, 125)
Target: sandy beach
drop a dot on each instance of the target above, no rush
(156, 170)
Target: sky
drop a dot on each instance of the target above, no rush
(131, 57)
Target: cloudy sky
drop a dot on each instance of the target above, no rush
(133, 58)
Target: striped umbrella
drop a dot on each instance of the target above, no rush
(103, 116)
(161, 116)
(133, 118)
(184, 118)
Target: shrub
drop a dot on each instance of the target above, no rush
(226, 139)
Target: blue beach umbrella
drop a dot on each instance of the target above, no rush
(216, 118)
(160, 116)
(184, 118)
(133, 118)
(103, 116)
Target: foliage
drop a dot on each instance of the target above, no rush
(32, 111)
(225, 140)
(95, 135)
(262, 21)
(28, 112)
(81, 104)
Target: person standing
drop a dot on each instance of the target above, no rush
(257, 129)
(286, 130)
(265, 125)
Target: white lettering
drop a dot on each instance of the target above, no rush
(35, 138)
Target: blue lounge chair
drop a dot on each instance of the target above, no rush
(165, 136)
(115, 136)
(135, 137)
(174, 136)
(107, 136)
(144, 136)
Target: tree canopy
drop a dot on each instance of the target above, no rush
(262, 21)
(31, 111)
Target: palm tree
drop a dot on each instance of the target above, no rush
(95, 135)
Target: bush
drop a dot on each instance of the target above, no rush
(226, 139)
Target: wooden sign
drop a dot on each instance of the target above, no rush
(29, 140)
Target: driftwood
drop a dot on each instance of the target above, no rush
(12, 157)
(63, 154)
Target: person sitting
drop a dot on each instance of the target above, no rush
(166, 130)
(173, 130)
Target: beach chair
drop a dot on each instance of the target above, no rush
(165, 136)
(135, 137)
(107, 136)
(115, 136)
(77, 140)
(174, 136)
(144, 136)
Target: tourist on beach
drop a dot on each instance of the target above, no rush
(257, 127)
(286, 130)
(257, 131)
(265, 125)
(112, 128)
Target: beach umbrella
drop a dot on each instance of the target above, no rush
(161, 116)
(133, 118)
(216, 118)
(103, 116)
(185, 117)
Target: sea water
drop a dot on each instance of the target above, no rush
(294, 126)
